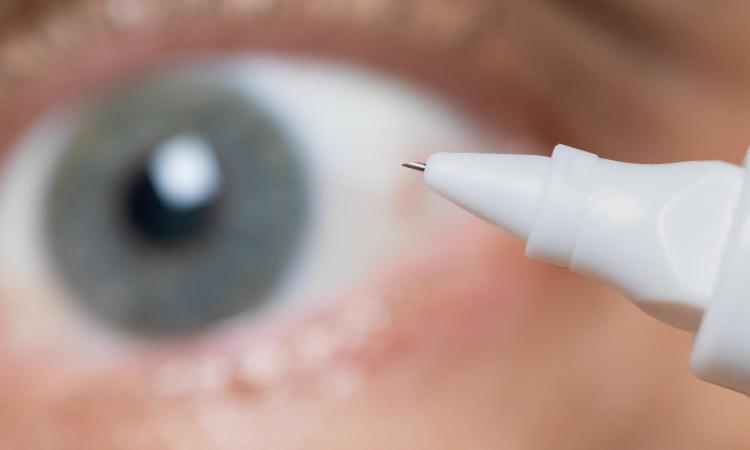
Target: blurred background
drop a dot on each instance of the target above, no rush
(207, 241)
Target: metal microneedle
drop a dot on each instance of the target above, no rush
(415, 166)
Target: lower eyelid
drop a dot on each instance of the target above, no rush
(415, 312)
(403, 319)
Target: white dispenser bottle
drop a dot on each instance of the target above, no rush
(674, 238)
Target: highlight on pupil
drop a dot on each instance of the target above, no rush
(171, 197)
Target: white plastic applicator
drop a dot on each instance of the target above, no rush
(674, 238)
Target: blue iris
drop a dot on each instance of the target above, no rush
(176, 204)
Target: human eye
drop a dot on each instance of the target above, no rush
(206, 240)
(192, 194)
(199, 209)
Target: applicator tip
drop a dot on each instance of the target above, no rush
(415, 166)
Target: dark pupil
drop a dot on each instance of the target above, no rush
(164, 216)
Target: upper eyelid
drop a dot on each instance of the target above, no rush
(467, 26)
(441, 19)
(401, 16)
(473, 73)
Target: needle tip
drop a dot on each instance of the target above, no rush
(415, 166)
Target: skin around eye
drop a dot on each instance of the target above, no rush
(509, 354)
